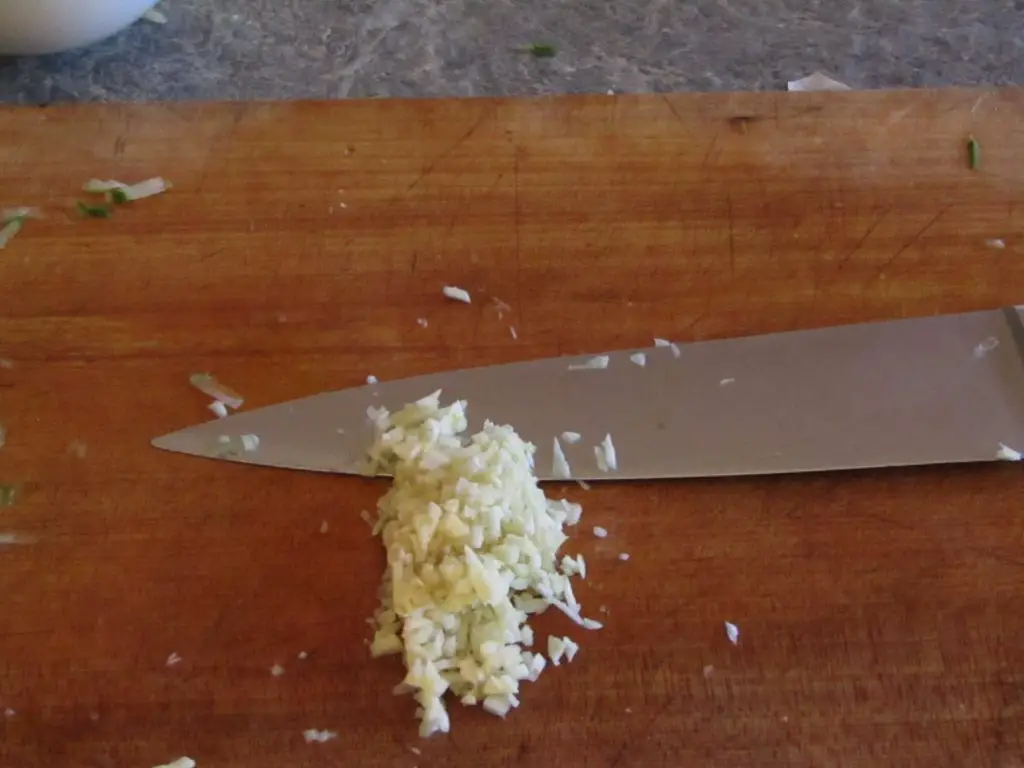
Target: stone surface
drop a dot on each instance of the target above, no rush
(272, 49)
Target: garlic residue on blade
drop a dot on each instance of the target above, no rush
(559, 466)
(596, 363)
(986, 346)
(604, 455)
(1006, 453)
(472, 546)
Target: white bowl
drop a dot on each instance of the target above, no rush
(48, 26)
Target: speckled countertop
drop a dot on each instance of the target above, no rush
(269, 49)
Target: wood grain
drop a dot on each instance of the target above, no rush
(882, 613)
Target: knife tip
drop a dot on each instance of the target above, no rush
(169, 442)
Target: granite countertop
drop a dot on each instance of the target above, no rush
(272, 49)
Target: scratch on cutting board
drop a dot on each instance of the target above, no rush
(860, 243)
(672, 109)
(979, 101)
(465, 137)
(920, 233)
(732, 240)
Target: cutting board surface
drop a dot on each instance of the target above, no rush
(881, 613)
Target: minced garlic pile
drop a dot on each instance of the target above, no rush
(472, 551)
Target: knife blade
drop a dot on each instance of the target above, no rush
(941, 389)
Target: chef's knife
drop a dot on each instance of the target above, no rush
(933, 390)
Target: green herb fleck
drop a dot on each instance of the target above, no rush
(118, 196)
(94, 211)
(7, 495)
(540, 50)
(9, 228)
(973, 153)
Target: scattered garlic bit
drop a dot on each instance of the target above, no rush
(572, 566)
(472, 546)
(6, 363)
(181, 762)
(559, 466)
(726, 382)
(15, 538)
(315, 736)
(207, 384)
(173, 659)
(101, 186)
(500, 704)
(78, 449)
(623, 556)
(367, 518)
(422, 322)
(604, 454)
(512, 331)
(732, 632)
(13, 219)
(154, 16)
(596, 363)
(601, 533)
(277, 670)
(816, 81)
(986, 346)
(249, 442)
(583, 484)
(501, 307)
(416, 750)
(8, 712)
(571, 437)
(325, 526)
(639, 358)
(302, 655)
(996, 242)
(20, 212)
(1005, 453)
(573, 512)
(662, 343)
(129, 192)
(457, 294)
(708, 671)
(591, 624)
(556, 648)
(219, 409)
(570, 647)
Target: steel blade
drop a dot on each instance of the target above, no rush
(931, 390)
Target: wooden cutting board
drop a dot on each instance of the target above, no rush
(881, 613)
